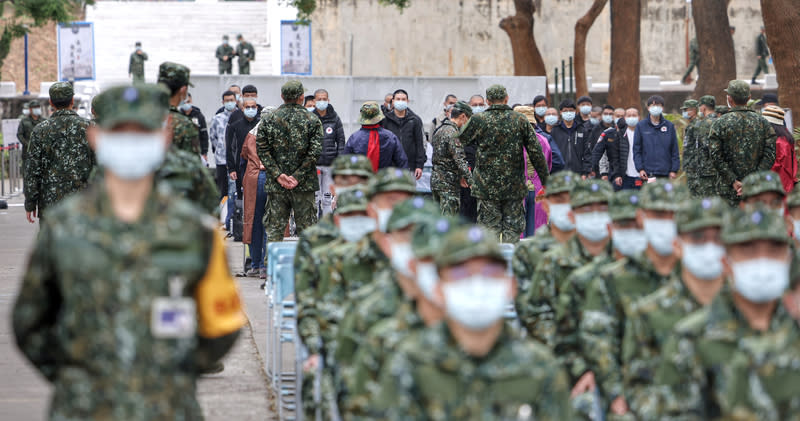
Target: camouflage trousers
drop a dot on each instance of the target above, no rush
(587, 406)
(279, 208)
(702, 186)
(449, 201)
(505, 217)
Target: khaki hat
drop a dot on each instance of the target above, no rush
(144, 104)
(756, 222)
(773, 114)
(468, 242)
(528, 112)
(370, 113)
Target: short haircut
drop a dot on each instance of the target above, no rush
(174, 86)
(308, 98)
(476, 96)
(249, 98)
(228, 93)
(64, 103)
(597, 109)
(584, 98)
(540, 98)
(234, 86)
(448, 97)
(566, 103)
(249, 89)
(608, 107)
(655, 99)
(321, 91)
(400, 91)
(456, 112)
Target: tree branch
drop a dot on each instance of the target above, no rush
(582, 27)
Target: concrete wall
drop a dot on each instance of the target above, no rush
(462, 37)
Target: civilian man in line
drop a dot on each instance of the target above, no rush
(407, 126)
(655, 144)
(332, 146)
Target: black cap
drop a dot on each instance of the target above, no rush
(768, 99)
(584, 98)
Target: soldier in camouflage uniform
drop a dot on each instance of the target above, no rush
(474, 365)
(763, 187)
(528, 253)
(651, 319)
(289, 143)
(185, 134)
(59, 159)
(739, 143)
(246, 54)
(700, 172)
(189, 178)
(450, 168)
(136, 64)
(620, 283)
(737, 358)
(498, 181)
(224, 56)
(26, 125)
(119, 304)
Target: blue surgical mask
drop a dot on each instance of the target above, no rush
(238, 98)
(592, 226)
(130, 156)
(631, 121)
(478, 109)
(321, 105)
(477, 302)
(540, 111)
(660, 234)
(250, 112)
(655, 110)
(762, 279)
(594, 121)
(585, 109)
(551, 120)
(401, 105)
(310, 109)
(37, 111)
(402, 254)
(796, 225)
(685, 115)
(703, 260)
(559, 216)
(608, 118)
(629, 242)
(427, 278)
(568, 115)
(185, 106)
(230, 105)
(354, 228)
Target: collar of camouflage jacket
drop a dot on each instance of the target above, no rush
(727, 323)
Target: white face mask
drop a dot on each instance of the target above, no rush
(762, 279)
(608, 119)
(401, 257)
(655, 110)
(585, 109)
(310, 109)
(383, 218)
(230, 105)
(401, 105)
(551, 120)
(796, 225)
(26, 112)
(477, 302)
(631, 121)
(629, 242)
(130, 156)
(592, 225)
(703, 260)
(660, 234)
(560, 218)
(427, 278)
(540, 111)
(354, 228)
(37, 111)
(321, 105)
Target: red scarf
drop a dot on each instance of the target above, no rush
(374, 146)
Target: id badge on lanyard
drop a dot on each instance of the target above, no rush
(175, 316)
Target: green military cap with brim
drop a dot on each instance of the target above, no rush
(663, 195)
(463, 107)
(623, 205)
(173, 74)
(586, 192)
(761, 182)
(239, 36)
(701, 213)
(224, 37)
(560, 182)
(144, 104)
(292, 90)
(61, 92)
(738, 90)
(26, 105)
(721, 109)
(689, 103)
(34, 103)
(428, 236)
(756, 222)
(391, 179)
(351, 199)
(707, 100)
(496, 92)
(352, 165)
(468, 242)
(411, 212)
(793, 199)
(370, 113)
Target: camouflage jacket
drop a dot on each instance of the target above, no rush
(528, 253)
(83, 314)
(605, 309)
(185, 134)
(740, 142)
(430, 377)
(648, 326)
(24, 130)
(696, 161)
(225, 50)
(59, 160)
(716, 366)
(449, 163)
(289, 141)
(189, 179)
(136, 64)
(245, 52)
(499, 135)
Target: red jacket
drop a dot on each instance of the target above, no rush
(785, 162)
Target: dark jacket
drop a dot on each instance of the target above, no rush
(392, 154)
(409, 131)
(238, 114)
(555, 153)
(575, 146)
(199, 120)
(614, 143)
(655, 148)
(333, 142)
(234, 140)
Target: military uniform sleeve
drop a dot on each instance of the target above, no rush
(689, 150)
(264, 146)
(599, 334)
(306, 284)
(522, 267)
(680, 381)
(468, 133)
(32, 171)
(535, 154)
(315, 136)
(398, 397)
(567, 317)
(207, 192)
(455, 150)
(714, 140)
(21, 133)
(639, 361)
(536, 308)
(768, 156)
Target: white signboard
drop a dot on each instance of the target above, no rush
(76, 51)
(10, 131)
(295, 48)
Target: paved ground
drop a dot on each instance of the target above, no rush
(238, 393)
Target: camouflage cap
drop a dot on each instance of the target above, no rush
(225, 37)
(370, 113)
(689, 103)
(353, 199)
(292, 90)
(701, 213)
(708, 100)
(663, 195)
(173, 74)
(793, 200)
(496, 92)
(144, 104)
(560, 182)
(586, 192)
(35, 103)
(756, 222)
(463, 107)
(392, 179)
(61, 91)
(623, 205)
(352, 165)
(411, 212)
(467, 242)
(95, 103)
(721, 109)
(761, 182)
(26, 105)
(428, 235)
(738, 90)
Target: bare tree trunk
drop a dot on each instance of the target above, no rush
(527, 59)
(582, 27)
(717, 65)
(783, 37)
(623, 90)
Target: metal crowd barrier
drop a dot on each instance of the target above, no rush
(11, 170)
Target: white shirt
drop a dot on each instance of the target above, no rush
(631, 170)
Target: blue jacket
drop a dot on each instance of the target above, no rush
(655, 148)
(392, 154)
(557, 158)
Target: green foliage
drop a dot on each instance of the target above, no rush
(307, 7)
